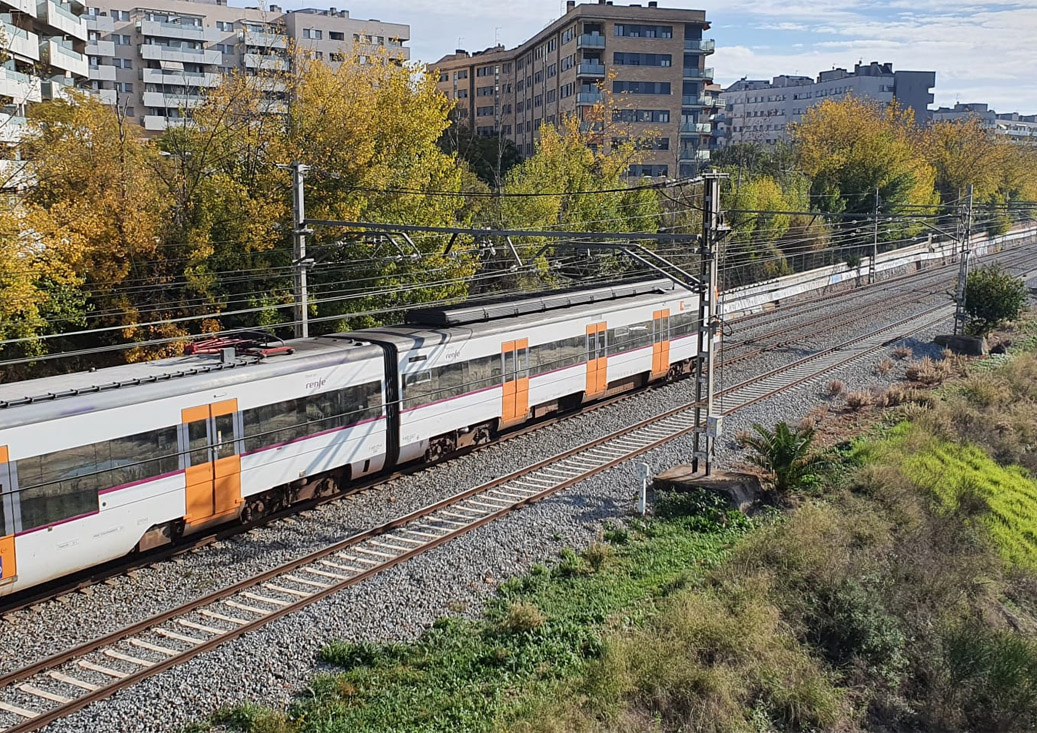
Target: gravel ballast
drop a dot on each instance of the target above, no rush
(271, 665)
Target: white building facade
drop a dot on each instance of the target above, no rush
(156, 65)
(1012, 125)
(760, 111)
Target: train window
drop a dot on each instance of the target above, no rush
(482, 372)
(291, 419)
(64, 484)
(198, 441)
(556, 355)
(224, 436)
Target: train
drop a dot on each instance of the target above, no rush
(96, 465)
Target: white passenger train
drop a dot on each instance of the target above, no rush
(95, 465)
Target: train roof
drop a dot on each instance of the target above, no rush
(510, 306)
(170, 376)
(420, 335)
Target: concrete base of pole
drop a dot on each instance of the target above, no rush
(965, 345)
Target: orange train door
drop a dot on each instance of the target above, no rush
(597, 361)
(8, 562)
(660, 342)
(214, 466)
(515, 355)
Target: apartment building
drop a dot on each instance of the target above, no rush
(760, 111)
(1012, 125)
(157, 64)
(650, 58)
(43, 54)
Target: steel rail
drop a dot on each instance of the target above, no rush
(500, 496)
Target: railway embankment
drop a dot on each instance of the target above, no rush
(895, 590)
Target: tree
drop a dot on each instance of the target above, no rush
(851, 147)
(784, 453)
(993, 296)
(370, 134)
(490, 157)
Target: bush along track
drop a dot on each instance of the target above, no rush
(895, 588)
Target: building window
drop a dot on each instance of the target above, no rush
(444, 76)
(336, 35)
(641, 87)
(642, 59)
(644, 31)
(121, 40)
(484, 92)
(222, 25)
(649, 171)
(463, 74)
(312, 34)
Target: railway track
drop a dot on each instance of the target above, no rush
(732, 353)
(62, 684)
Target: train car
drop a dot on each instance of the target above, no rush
(96, 465)
(464, 374)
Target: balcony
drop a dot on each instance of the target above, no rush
(158, 123)
(102, 72)
(590, 40)
(161, 100)
(691, 100)
(107, 96)
(57, 88)
(258, 39)
(19, 87)
(589, 98)
(64, 58)
(265, 63)
(60, 17)
(703, 45)
(16, 174)
(11, 128)
(696, 155)
(590, 68)
(22, 6)
(19, 42)
(701, 128)
(181, 31)
(183, 54)
(99, 23)
(181, 78)
(693, 73)
(100, 48)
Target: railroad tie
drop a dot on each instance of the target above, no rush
(289, 591)
(89, 687)
(325, 574)
(127, 658)
(222, 617)
(44, 694)
(266, 599)
(154, 647)
(179, 637)
(303, 581)
(108, 671)
(21, 712)
(340, 566)
(244, 607)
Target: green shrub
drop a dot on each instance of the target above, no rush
(785, 454)
(993, 296)
(522, 618)
(598, 555)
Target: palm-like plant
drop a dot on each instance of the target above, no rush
(784, 453)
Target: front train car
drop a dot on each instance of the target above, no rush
(96, 465)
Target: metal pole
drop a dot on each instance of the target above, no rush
(299, 232)
(708, 277)
(965, 249)
(874, 239)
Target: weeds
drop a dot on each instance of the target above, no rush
(522, 618)
(903, 352)
(884, 367)
(836, 388)
(858, 400)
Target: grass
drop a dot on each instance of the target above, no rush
(542, 629)
(901, 594)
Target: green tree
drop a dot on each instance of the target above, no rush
(490, 157)
(993, 296)
(785, 453)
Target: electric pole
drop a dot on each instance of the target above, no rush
(709, 317)
(872, 275)
(964, 250)
(299, 260)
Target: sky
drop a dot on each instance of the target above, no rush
(980, 51)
